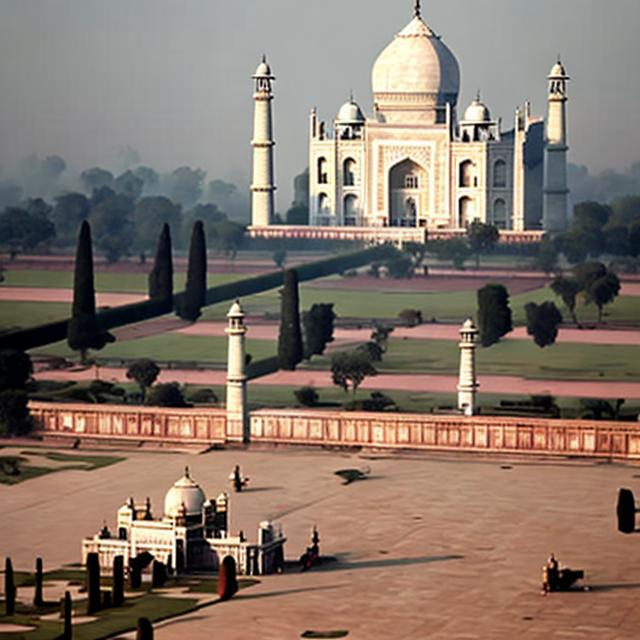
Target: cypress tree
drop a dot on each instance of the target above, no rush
(66, 614)
(38, 600)
(117, 587)
(317, 324)
(144, 630)
(290, 350)
(135, 574)
(494, 314)
(158, 574)
(93, 583)
(84, 331)
(161, 276)
(194, 295)
(9, 589)
(227, 579)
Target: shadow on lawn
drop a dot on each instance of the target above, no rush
(343, 565)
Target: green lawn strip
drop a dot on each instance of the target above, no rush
(105, 282)
(170, 347)
(20, 315)
(26, 471)
(90, 462)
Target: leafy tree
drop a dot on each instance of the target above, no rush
(95, 178)
(149, 177)
(574, 245)
(161, 276)
(634, 239)
(350, 368)
(15, 369)
(228, 237)
(168, 394)
(456, 250)
(184, 185)
(279, 258)
(112, 224)
(591, 215)
(22, 230)
(298, 215)
(318, 325)
(616, 239)
(196, 289)
(144, 372)
(210, 216)
(482, 238)
(380, 335)
(69, 211)
(603, 291)
(129, 184)
(626, 209)
(228, 198)
(14, 413)
(373, 350)
(84, 331)
(149, 214)
(567, 289)
(400, 267)
(494, 314)
(547, 255)
(542, 322)
(306, 396)
(417, 251)
(290, 349)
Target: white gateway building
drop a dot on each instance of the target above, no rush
(414, 163)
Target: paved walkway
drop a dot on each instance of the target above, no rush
(429, 547)
(415, 383)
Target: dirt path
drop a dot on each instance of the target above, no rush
(418, 383)
(36, 294)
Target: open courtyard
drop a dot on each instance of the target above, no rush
(425, 547)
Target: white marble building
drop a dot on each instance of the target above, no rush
(414, 163)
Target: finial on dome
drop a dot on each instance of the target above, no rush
(478, 95)
(186, 471)
(264, 58)
(417, 10)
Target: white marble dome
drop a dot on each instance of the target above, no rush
(477, 112)
(185, 492)
(417, 61)
(263, 70)
(558, 71)
(350, 113)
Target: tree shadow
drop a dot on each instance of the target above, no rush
(614, 587)
(285, 592)
(342, 565)
(260, 489)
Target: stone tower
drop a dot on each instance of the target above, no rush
(262, 186)
(556, 192)
(237, 412)
(467, 383)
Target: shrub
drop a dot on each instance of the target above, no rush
(168, 394)
(203, 396)
(306, 396)
(373, 350)
(376, 402)
(411, 317)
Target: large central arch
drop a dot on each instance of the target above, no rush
(407, 190)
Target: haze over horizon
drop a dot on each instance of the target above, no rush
(85, 79)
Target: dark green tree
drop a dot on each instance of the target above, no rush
(228, 238)
(149, 214)
(400, 267)
(184, 185)
(22, 230)
(144, 630)
(455, 250)
(373, 350)
(67, 215)
(67, 609)
(634, 239)
(112, 223)
(84, 331)
(129, 184)
(574, 245)
(144, 372)
(14, 413)
(168, 394)
(350, 368)
(567, 289)
(195, 292)
(417, 251)
(158, 574)
(161, 276)
(542, 322)
(494, 314)
(603, 291)
(15, 369)
(290, 348)
(227, 579)
(616, 239)
(298, 215)
(306, 396)
(9, 588)
(117, 587)
(547, 255)
(38, 599)
(210, 215)
(482, 238)
(95, 178)
(317, 324)
(93, 583)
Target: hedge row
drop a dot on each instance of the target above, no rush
(42, 335)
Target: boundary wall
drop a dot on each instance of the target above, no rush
(426, 432)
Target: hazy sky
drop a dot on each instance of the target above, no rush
(171, 78)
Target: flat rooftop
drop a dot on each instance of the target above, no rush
(427, 547)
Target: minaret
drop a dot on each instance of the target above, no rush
(467, 383)
(262, 187)
(237, 412)
(555, 215)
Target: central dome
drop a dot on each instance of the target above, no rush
(185, 496)
(417, 69)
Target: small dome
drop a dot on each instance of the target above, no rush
(477, 111)
(558, 71)
(468, 325)
(263, 70)
(350, 113)
(184, 492)
(236, 310)
(417, 62)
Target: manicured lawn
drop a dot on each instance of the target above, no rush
(105, 282)
(16, 315)
(173, 347)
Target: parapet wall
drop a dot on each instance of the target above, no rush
(486, 434)
(152, 424)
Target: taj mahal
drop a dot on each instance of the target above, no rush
(414, 165)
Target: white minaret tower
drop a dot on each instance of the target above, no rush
(262, 187)
(237, 411)
(556, 192)
(467, 383)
